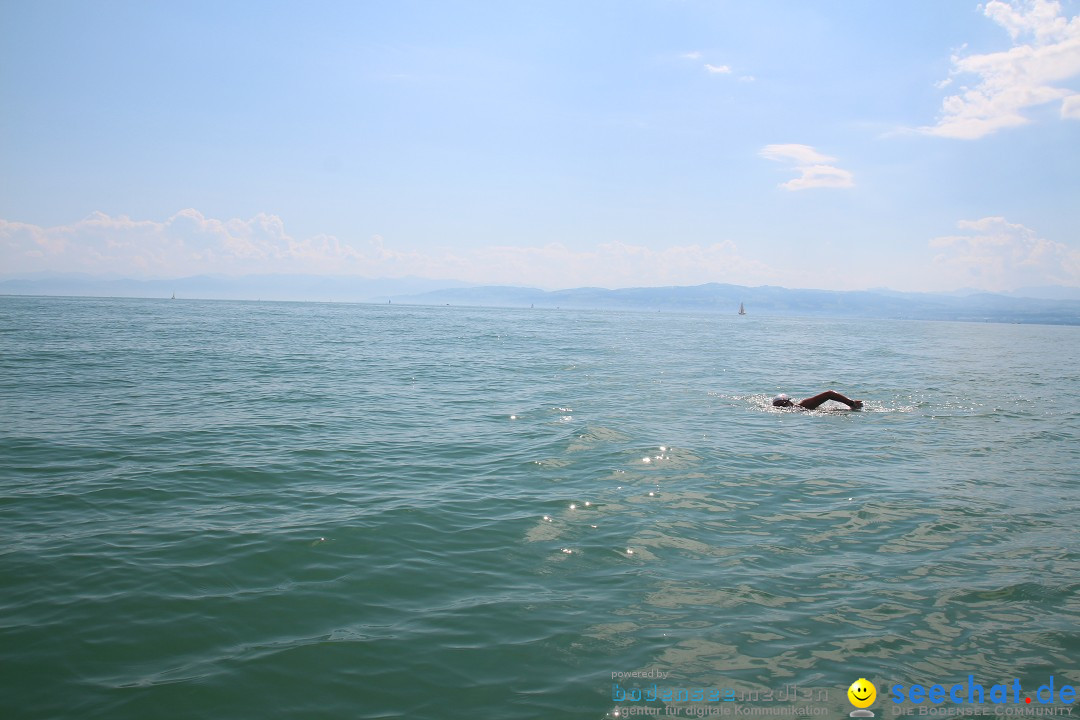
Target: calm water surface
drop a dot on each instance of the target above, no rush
(252, 510)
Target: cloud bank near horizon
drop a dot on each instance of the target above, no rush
(188, 243)
(999, 255)
(989, 253)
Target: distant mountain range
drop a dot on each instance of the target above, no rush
(768, 300)
(1052, 305)
(312, 288)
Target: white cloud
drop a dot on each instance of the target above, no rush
(1070, 107)
(798, 154)
(185, 243)
(189, 243)
(1045, 52)
(814, 168)
(994, 254)
(820, 176)
(709, 67)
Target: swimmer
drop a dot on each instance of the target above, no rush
(810, 403)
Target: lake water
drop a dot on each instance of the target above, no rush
(253, 510)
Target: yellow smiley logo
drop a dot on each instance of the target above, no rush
(862, 693)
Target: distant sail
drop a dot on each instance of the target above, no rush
(742, 309)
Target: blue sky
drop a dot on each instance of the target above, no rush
(922, 145)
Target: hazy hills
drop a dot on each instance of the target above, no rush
(1054, 305)
(324, 288)
(769, 300)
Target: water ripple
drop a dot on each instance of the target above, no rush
(252, 509)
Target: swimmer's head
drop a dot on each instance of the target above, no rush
(782, 400)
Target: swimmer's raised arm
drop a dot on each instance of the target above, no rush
(812, 402)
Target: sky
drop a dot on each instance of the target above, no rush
(924, 145)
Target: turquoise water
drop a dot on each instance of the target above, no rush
(251, 510)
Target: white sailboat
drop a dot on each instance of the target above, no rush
(742, 309)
